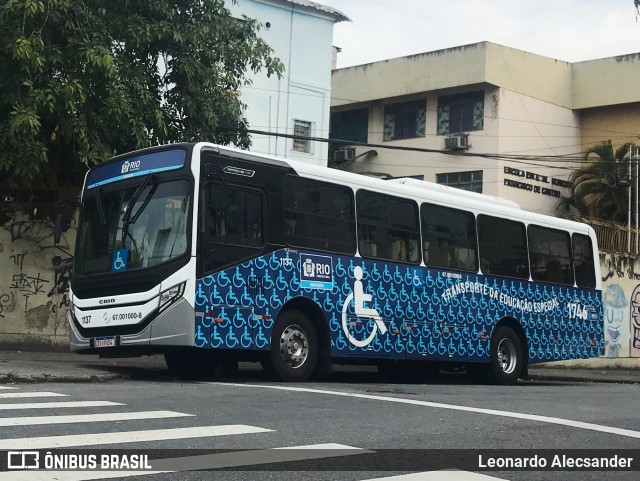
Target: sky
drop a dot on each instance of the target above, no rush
(569, 30)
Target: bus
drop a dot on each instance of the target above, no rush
(207, 254)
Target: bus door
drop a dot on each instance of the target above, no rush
(231, 231)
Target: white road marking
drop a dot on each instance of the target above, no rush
(58, 405)
(13, 395)
(7, 387)
(493, 412)
(198, 463)
(89, 418)
(98, 439)
(438, 476)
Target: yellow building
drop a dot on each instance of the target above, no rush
(477, 108)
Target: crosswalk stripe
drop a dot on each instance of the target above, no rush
(7, 387)
(13, 395)
(439, 476)
(256, 457)
(66, 441)
(89, 418)
(199, 463)
(58, 405)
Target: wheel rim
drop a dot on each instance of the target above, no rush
(507, 355)
(294, 346)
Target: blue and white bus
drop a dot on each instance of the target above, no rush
(206, 253)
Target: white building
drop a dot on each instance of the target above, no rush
(301, 33)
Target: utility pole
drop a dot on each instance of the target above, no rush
(636, 158)
(629, 205)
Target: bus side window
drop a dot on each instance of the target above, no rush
(554, 271)
(449, 237)
(583, 258)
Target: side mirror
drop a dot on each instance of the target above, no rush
(57, 229)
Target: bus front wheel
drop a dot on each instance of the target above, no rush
(506, 357)
(294, 347)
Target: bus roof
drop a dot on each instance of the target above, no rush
(420, 190)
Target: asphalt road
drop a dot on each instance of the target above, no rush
(351, 410)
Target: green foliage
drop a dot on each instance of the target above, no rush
(82, 80)
(595, 187)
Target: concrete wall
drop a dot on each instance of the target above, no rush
(621, 292)
(34, 282)
(528, 126)
(618, 123)
(606, 81)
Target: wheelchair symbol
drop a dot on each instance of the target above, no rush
(119, 260)
(359, 297)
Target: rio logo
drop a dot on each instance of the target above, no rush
(130, 166)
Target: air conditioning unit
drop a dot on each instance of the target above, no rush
(344, 155)
(457, 142)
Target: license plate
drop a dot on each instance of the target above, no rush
(104, 342)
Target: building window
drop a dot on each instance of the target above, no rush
(461, 113)
(302, 129)
(406, 120)
(471, 181)
(350, 125)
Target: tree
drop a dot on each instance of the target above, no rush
(82, 80)
(595, 188)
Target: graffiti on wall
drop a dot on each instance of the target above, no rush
(6, 303)
(635, 322)
(614, 265)
(34, 271)
(25, 284)
(615, 309)
(621, 300)
(35, 279)
(61, 279)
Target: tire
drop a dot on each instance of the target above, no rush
(191, 363)
(294, 347)
(506, 357)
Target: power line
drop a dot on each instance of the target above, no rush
(524, 159)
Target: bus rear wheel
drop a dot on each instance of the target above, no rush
(294, 347)
(506, 357)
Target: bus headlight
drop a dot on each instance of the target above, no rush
(171, 295)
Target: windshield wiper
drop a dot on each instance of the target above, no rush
(128, 219)
(103, 219)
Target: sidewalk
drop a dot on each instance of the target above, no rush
(34, 367)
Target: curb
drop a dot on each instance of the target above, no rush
(44, 378)
(579, 379)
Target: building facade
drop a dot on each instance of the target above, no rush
(301, 33)
(486, 117)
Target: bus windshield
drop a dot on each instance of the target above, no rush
(148, 222)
